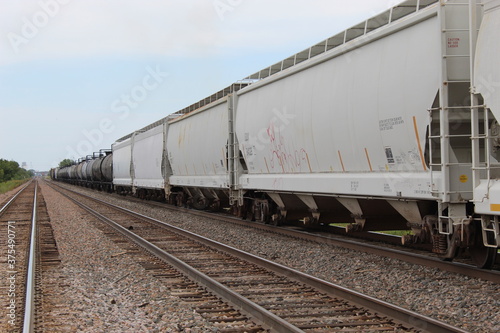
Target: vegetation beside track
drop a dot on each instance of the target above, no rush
(11, 184)
(11, 175)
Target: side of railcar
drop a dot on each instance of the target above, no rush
(147, 159)
(486, 134)
(122, 166)
(85, 171)
(107, 172)
(101, 171)
(326, 137)
(378, 131)
(197, 155)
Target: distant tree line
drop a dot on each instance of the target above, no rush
(10, 170)
(65, 163)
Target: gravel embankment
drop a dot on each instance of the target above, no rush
(462, 301)
(104, 291)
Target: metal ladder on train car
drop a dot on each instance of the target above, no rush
(491, 231)
(456, 64)
(235, 192)
(482, 165)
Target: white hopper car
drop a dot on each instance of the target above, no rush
(390, 124)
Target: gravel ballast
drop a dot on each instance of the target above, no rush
(465, 302)
(104, 291)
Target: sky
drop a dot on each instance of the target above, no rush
(76, 75)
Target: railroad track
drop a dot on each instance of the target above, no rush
(51, 315)
(373, 243)
(413, 256)
(29, 253)
(273, 296)
(17, 263)
(417, 257)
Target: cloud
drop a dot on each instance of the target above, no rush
(52, 29)
(88, 28)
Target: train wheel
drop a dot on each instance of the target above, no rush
(242, 211)
(483, 257)
(200, 202)
(276, 220)
(264, 212)
(171, 199)
(181, 202)
(215, 205)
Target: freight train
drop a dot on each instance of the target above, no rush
(390, 124)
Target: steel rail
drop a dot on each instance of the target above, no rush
(400, 254)
(29, 307)
(255, 311)
(400, 314)
(410, 257)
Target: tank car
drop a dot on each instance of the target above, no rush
(86, 171)
(72, 175)
(96, 170)
(99, 171)
(107, 172)
(79, 172)
(93, 164)
(62, 173)
(54, 173)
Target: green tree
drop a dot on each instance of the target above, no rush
(22, 174)
(10, 170)
(65, 163)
